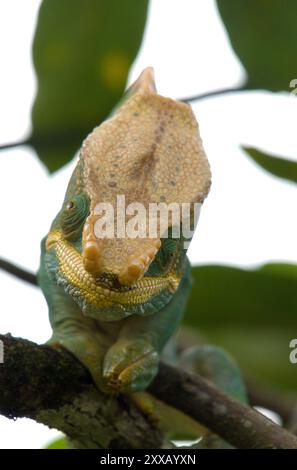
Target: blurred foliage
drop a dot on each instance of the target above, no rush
(59, 443)
(251, 313)
(263, 34)
(277, 166)
(82, 53)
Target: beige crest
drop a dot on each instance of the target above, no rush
(149, 151)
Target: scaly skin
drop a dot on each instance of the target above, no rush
(115, 303)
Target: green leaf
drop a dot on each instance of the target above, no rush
(59, 443)
(82, 53)
(250, 313)
(277, 166)
(263, 34)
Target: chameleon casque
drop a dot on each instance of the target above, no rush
(115, 302)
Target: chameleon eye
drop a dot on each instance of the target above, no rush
(74, 214)
(70, 205)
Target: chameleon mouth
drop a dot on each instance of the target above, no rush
(103, 294)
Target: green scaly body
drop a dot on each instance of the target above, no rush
(115, 303)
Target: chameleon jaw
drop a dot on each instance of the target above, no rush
(75, 278)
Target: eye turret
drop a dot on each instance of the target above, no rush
(74, 215)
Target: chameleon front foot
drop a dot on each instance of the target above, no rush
(129, 366)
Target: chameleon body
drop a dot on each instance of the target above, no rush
(115, 302)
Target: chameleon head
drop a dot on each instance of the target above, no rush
(148, 152)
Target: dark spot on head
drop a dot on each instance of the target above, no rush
(172, 183)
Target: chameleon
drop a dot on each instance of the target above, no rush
(116, 301)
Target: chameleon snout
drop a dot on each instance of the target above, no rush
(134, 271)
(127, 257)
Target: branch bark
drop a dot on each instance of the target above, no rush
(238, 424)
(276, 401)
(53, 388)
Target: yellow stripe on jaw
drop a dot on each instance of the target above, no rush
(72, 267)
(52, 238)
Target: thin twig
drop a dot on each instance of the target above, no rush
(189, 99)
(21, 273)
(12, 145)
(212, 94)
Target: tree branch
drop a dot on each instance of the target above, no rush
(235, 422)
(53, 388)
(21, 273)
(279, 402)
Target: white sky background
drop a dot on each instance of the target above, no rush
(249, 217)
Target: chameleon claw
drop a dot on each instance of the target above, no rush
(130, 367)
